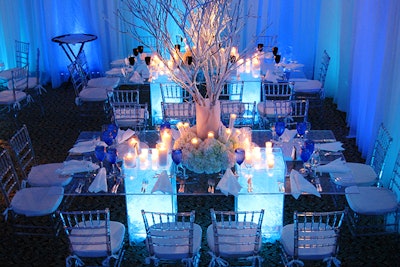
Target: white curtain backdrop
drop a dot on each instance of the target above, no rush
(361, 36)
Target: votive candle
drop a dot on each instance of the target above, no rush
(130, 160)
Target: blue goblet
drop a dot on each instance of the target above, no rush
(240, 155)
(301, 128)
(165, 125)
(176, 155)
(305, 156)
(111, 155)
(279, 128)
(106, 136)
(310, 145)
(100, 154)
(113, 129)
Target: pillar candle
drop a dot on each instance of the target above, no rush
(179, 125)
(232, 119)
(154, 159)
(166, 138)
(210, 135)
(162, 154)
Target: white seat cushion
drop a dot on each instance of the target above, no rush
(359, 174)
(117, 234)
(235, 250)
(45, 175)
(7, 97)
(266, 108)
(179, 109)
(6, 74)
(107, 82)
(125, 117)
(176, 252)
(20, 85)
(371, 200)
(93, 94)
(315, 253)
(307, 86)
(232, 106)
(37, 201)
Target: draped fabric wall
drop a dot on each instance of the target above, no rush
(362, 37)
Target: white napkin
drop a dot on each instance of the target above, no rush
(100, 182)
(143, 70)
(136, 78)
(300, 185)
(77, 166)
(270, 77)
(229, 184)
(86, 146)
(338, 165)
(123, 135)
(163, 184)
(288, 135)
(333, 146)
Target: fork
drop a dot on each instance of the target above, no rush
(145, 182)
(79, 187)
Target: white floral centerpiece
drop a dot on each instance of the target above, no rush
(210, 155)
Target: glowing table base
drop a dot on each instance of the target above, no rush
(267, 193)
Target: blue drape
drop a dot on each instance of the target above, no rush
(362, 37)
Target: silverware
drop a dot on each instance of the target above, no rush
(145, 183)
(79, 187)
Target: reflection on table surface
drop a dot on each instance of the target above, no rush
(199, 184)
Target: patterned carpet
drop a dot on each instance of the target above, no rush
(55, 132)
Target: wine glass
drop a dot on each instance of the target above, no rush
(315, 160)
(305, 155)
(301, 128)
(240, 155)
(111, 157)
(106, 136)
(176, 155)
(113, 130)
(310, 145)
(279, 128)
(100, 153)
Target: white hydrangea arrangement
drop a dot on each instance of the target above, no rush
(211, 155)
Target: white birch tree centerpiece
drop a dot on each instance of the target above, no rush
(210, 31)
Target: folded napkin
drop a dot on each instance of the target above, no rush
(332, 146)
(338, 165)
(86, 146)
(288, 135)
(300, 185)
(229, 184)
(77, 166)
(100, 182)
(123, 135)
(136, 78)
(270, 77)
(143, 70)
(163, 184)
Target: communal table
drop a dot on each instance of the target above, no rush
(66, 40)
(268, 188)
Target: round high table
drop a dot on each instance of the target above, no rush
(66, 40)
